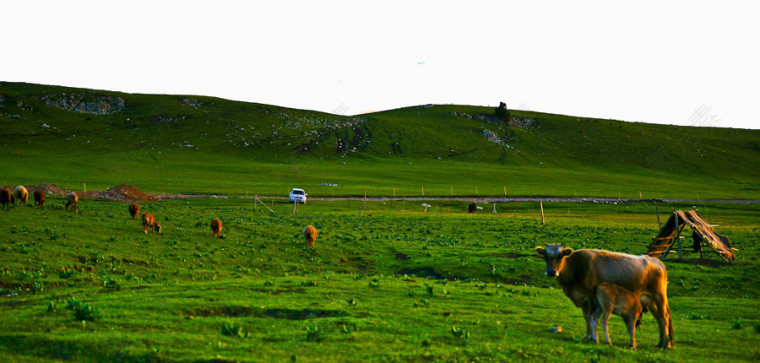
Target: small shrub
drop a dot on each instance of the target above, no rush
(737, 325)
(230, 329)
(66, 272)
(110, 283)
(374, 283)
(86, 312)
(695, 316)
(38, 287)
(72, 303)
(460, 333)
(51, 306)
(757, 328)
(313, 334)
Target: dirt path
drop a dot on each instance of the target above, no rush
(126, 192)
(477, 199)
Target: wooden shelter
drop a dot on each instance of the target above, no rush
(702, 234)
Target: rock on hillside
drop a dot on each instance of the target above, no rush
(86, 103)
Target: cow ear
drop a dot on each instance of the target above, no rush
(541, 251)
(567, 251)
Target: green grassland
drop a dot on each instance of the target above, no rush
(387, 282)
(204, 145)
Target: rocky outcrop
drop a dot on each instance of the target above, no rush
(86, 103)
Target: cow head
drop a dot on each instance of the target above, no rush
(554, 255)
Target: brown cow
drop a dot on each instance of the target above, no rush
(311, 235)
(216, 226)
(615, 299)
(149, 221)
(134, 210)
(71, 202)
(39, 198)
(6, 197)
(579, 272)
(21, 194)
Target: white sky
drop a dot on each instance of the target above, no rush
(675, 62)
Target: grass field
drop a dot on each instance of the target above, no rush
(203, 145)
(387, 282)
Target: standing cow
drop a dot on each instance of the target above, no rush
(311, 235)
(134, 209)
(72, 199)
(6, 197)
(39, 198)
(149, 222)
(21, 194)
(216, 226)
(579, 272)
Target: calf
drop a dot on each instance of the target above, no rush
(71, 202)
(615, 299)
(311, 235)
(149, 221)
(579, 272)
(216, 226)
(134, 209)
(39, 198)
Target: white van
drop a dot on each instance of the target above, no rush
(299, 195)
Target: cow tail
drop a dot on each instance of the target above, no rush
(670, 328)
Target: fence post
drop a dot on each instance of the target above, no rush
(541, 203)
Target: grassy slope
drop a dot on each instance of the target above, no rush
(240, 148)
(167, 296)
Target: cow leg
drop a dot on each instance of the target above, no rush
(661, 314)
(605, 321)
(590, 334)
(630, 323)
(595, 315)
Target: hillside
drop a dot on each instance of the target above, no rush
(195, 144)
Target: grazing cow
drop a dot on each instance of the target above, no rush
(134, 210)
(21, 194)
(71, 202)
(472, 207)
(6, 197)
(615, 299)
(39, 198)
(149, 221)
(216, 226)
(311, 235)
(579, 272)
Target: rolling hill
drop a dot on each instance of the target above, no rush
(194, 144)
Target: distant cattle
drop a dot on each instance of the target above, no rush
(149, 222)
(311, 235)
(6, 197)
(216, 226)
(615, 299)
(134, 210)
(21, 194)
(472, 208)
(579, 272)
(71, 202)
(39, 198)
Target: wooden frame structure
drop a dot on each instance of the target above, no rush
(702, 234)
